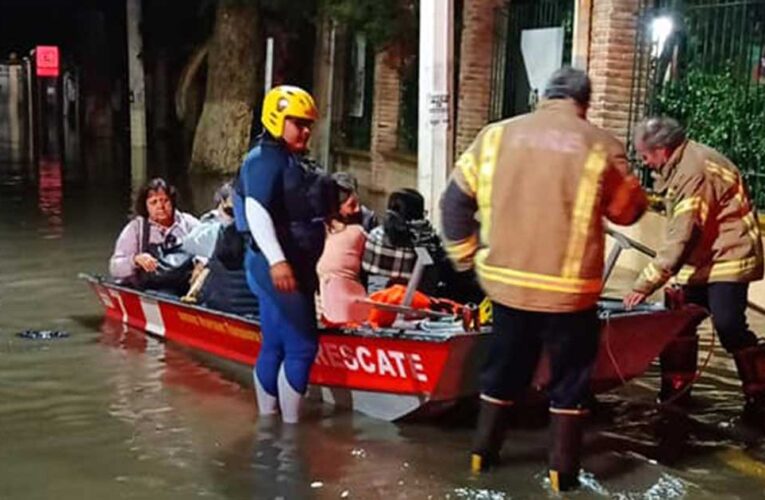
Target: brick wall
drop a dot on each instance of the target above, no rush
(385, 113)
(475, 70)
(612, 50)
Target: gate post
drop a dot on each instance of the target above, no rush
(436, 116)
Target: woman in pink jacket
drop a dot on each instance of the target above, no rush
(339, 268)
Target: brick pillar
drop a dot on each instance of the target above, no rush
(611, 56)
(475, 70)
(385, 113)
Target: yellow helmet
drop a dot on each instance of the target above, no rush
(283, 101)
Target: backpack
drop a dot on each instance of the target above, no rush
(230, 247)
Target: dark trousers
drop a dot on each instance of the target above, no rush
(570, 339)
(727, 304)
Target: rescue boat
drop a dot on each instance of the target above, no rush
(416, 367)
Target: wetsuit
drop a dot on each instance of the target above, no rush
(282, 202)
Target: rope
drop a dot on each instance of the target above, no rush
(685, 389)
(698, 374)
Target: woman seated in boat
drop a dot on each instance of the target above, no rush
(389, 251)
(339, 269)
(156, 228)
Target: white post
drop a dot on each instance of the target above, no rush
(580, 53)
(435, 144)
(135, 76)
(269, 76)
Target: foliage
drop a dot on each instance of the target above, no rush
(725, 113)
(383, 21)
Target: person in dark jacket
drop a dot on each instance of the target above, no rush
(389, 252)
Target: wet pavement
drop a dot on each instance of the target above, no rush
(109, 413)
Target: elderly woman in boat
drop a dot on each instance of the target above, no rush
(156, 223)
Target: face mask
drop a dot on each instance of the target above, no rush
(355, 218)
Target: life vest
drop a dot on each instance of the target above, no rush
(298, 210)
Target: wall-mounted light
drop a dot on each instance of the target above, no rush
(661, 29)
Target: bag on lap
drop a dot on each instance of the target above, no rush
(174, 266)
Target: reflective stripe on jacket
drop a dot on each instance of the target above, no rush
(712, 230)
(541, 184)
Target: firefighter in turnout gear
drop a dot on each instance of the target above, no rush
(542, 185)
(713, 247)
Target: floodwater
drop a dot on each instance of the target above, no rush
(109, 413)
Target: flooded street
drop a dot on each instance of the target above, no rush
(109, 413)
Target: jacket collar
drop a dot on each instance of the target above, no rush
(666, 170)
(567, 106)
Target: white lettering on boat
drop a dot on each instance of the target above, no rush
(383, 362)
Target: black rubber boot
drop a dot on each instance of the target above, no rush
(679, 362)
(489, 436)
(565, 450)
(750, 363)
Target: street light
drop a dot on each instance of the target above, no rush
(661, 29)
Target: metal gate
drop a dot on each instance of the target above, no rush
(703, 62)
(509, 84)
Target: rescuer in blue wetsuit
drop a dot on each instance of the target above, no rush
(280, 204)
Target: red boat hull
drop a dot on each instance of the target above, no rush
(412, 368)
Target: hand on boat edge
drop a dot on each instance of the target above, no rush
(633, 299)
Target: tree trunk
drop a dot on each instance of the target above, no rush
(223, 133)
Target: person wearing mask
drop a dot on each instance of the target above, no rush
(349, 185)
(541, 185)
(280, 204)
(713, 247)
(200, 242)
(340, 282)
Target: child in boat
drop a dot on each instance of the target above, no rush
(339, 268)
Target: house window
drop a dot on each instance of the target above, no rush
(408, 112)
(357, 119)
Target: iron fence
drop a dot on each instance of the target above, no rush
(703, 62)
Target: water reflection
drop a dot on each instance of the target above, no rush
(50, 196)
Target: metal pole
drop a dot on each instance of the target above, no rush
(30, 109)
(14, 99)
(435, 120)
